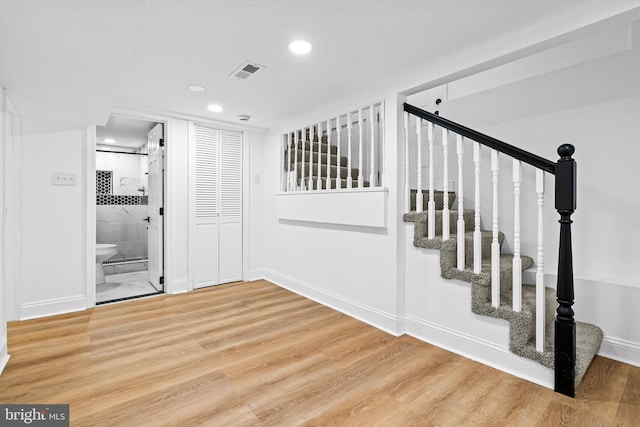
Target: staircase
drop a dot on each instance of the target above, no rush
(312, 160)
(521, 324)
(304, 164)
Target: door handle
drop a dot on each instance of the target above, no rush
(148, 219)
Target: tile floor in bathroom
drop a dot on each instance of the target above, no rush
(124, 285)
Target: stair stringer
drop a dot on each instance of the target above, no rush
(447, 321)
(521, 324)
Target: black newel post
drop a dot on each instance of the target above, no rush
(565, 326)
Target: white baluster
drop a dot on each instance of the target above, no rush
(303, 182)
(372, 172)
(540, 298)
(495, 243)
(383, 179)
(310, 165)
(477, 235)
(446, 229)
(460, 225)
(339, 162)
(431, 204)
(319, 180)
(419, 196)
(349, 178)
(407, 192)
(295, 161)
(517, 261)
(283, 157)
(360, 156)
(327, 183)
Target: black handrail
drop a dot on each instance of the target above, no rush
(565, 203)
(496, 144)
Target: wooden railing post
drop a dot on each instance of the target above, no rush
(565, 326)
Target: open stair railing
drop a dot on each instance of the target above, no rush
(342, 152)
(565, 203)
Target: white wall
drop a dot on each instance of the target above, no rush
(52, 256)
(255, 210)
(605, 229)
(351, 268)
(5, 135)
(176, 204)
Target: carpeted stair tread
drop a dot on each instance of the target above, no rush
(522, 333)
(420, 221)
(343, 183)
(312, 170)
(438, 198)
(333, 158)
(485, 236)
(323, 147)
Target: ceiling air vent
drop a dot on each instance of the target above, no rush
(246, 70)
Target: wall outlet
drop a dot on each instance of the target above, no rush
(63, 178)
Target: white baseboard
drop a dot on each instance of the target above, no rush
(479, 350)
(620, 350)
(374, 317)
(256, 275)
(4, 357)
(32, 310)
(178, 287)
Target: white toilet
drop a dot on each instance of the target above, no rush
(103, 251)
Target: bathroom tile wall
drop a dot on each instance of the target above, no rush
(123, 225)
(128, 171)
(121, 207)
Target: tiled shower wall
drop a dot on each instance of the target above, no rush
(121, 208)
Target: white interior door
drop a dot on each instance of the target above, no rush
(217, 231)
(155, 147)
(230, 225)
(205, 241)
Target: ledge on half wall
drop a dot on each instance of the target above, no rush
(359, 207)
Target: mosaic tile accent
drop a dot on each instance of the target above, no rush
(116, 199)
(104, 182)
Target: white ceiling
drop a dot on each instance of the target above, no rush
(127, 132)
(75, 60)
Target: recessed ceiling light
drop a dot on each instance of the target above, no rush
(300, 47)
(110, 140)
(197, 88)
(215, 108)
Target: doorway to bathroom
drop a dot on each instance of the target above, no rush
(129, 209)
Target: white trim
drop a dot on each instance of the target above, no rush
(89, 218)
(479, 350)
(191, 202)
(14, 218)
(172, 286)
(372, 316)
(358, 208)
(52, 307)
(4, 358)
(177, 287)
(255, 275)
(246, 200)
(620, 350)
(220, 124)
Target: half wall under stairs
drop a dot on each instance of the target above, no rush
(521, 324)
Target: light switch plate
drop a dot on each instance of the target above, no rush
(63, 178)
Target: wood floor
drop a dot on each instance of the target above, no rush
(253, 354)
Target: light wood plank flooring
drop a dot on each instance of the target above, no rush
(253, 354)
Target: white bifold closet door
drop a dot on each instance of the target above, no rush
(217, 233)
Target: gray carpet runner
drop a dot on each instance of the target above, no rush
(305, 164)
(522, 333)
